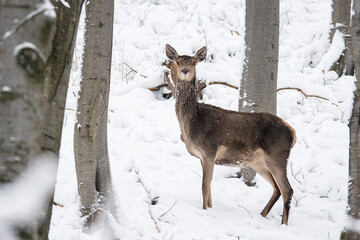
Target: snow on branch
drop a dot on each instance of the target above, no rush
(334, 52)
(43, 8)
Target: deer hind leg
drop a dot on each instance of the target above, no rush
(279, 175)
(261, 168)
(208, 169)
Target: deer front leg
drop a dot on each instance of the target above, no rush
(208, 169)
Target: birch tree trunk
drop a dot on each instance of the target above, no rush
(25, 43)
(259, 78)
(341, 22)
(90, 139)
(353, 209)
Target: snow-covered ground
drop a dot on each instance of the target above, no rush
(144, 135)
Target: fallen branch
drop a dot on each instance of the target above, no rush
(151, 216)
(157, 88)
(245, 210)
(58, 204)
(168, 210)
(294, 175)
(152, 200)
(133, 70)
(223, 83)
(303, 93)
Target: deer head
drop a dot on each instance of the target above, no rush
(185, 65)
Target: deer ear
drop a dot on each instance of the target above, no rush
(200, 54)
(171, 52)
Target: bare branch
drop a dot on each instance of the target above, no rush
(150, 198)
(327, 194)
(303, 93)
(298, 200)
(223, 83)
(168, 210)
(151, 216)
(157, 88)
(245, 210)
(58, 204)
(133, 70)
(294, 175)
(28, 17)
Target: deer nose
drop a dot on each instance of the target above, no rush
(185, 71)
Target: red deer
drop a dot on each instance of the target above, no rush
(214, 135)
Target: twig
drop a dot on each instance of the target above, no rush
(151, 216)
(58, 204)
(142, 183)
(23, 21)
(303, 93)
(150, 198)
(168, 210)
(224, 83)
(298, 200)
(133, 70)
(294, 175)
(326, 196)
(157, 88)
(195, 172)
(245, 210)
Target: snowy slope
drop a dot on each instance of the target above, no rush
(144, 136)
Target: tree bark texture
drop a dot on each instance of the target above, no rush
(22, 65)
(57, 74)
(341, 22)
(259, 78)
(90, 139)
(25, 42)
(353, 209)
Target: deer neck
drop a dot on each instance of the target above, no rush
(186, 102)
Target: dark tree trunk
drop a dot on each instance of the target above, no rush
(353, 209)
(259, 78)
(56, 82)
(91, 152)
(341, 22)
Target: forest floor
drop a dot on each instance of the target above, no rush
(144, 135)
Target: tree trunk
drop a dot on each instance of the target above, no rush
(56, 82)
(353, 209)
(25, 43)
(259, 77)
(341, 22)
(91, 152)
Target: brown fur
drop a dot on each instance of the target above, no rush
(260, 140)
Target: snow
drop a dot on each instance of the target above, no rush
(144, 135)
(27, 195)
(65, 3)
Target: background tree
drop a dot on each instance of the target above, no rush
(90, 139)
(36, 52)
(57, 74)
(341, 10)
(25, 43)
(353, 209)
(259, 78)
